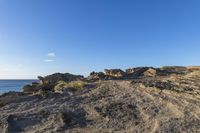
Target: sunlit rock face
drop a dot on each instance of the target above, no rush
(141, 71)
(150, 72)
(114, 72)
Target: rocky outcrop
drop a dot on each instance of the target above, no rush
(94, 76)
(151, 72)
(166, 70)
(54, 78)
(141, 72)
(130, 70)
(163, 71)
(118, 73)
(48, 83)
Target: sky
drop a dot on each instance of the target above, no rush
(41, 37)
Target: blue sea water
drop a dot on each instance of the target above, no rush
(13, 85)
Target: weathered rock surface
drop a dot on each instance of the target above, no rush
(173, 70)
(168, 103)
(94, 76)
(54, 78)
(118, 73)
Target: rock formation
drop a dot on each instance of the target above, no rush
(54, 78)
(173, 70)
(151, 72)
(94, 76)
(141, 71)
(130, 70)
(114, 73)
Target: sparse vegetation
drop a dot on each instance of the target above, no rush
(43, 91)
(73, 86)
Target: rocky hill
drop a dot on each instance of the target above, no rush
(142, 100)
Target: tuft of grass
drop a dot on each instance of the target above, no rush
(76, 85)
(43, 92)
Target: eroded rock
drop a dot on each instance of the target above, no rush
(114, 73)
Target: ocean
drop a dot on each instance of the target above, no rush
(13, 85)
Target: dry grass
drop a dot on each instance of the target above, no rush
(77, 85)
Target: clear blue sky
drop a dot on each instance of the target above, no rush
(39, 37)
